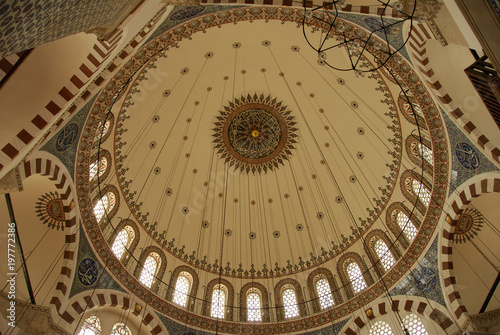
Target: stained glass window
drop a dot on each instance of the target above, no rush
(380, 328)
(91, 326)
(182, 288)
(324, 293)
(416, 107)
(414, 325)
(406, 225)
(355, 276)
(101, 167)
(102, 130)
(219, 295)
(120, 329)
(254, 305)
(123, 241)
(104, 205)
(383, 253)
(151, 266)
(290, 302)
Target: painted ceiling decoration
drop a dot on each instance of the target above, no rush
(255, 133)
(50, 210)
(469, 225)
(301, 165)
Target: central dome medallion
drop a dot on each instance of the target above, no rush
(255, 133)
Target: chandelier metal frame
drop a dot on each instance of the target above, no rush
(376, 42)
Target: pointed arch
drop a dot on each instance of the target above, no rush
(47, 165)
(488, 182)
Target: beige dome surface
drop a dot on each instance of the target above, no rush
(311, 188)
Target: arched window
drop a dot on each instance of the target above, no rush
(419, 150)
(91, 326)
(405, 224)
(414, 325)
(380, 328)
(418, 189)
(254, 304)
(102, 130)
(426, 152)
(120, 329)
(416, 107)
(323, 291)
(355, 276)
(289, 301)
(384, 254)
(104, 205)
(219, 297)
(123, 241)
(182, 288)
(150, 269)
(98, 166)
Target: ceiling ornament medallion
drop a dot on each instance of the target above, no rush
(255, 133)
(50, 210)
(469, 224)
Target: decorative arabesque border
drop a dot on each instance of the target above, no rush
(169, 38)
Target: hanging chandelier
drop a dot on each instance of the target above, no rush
(381, 38)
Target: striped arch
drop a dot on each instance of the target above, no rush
(47, 165)
(66, 96)
(402, 304)
(373, 10)
(80, 88)
(56, 171)
(421, 33)
(88, 300)
(484, 183)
